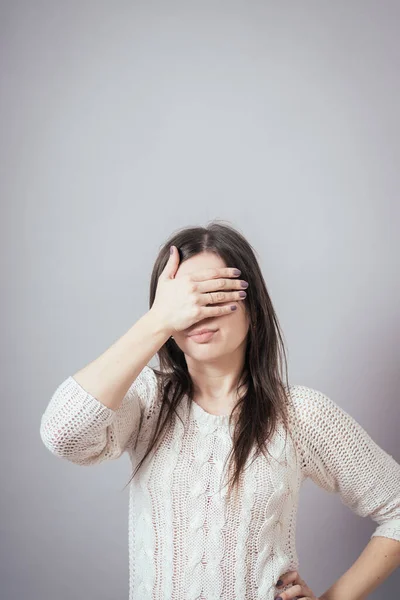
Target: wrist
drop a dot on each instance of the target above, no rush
(157, 324)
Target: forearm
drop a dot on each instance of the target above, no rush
(379, 559)
(109, 376)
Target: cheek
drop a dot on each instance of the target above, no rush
(236, 324)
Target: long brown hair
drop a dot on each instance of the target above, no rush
(264, 401)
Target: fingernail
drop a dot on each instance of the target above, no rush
(279, 583)
(278, 598)
(171, 249)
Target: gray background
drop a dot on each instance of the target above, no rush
(122, 121)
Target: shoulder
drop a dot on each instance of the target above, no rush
(308, 407)
(145, 386)
(314, 415)
(302, 397)
(147, 376)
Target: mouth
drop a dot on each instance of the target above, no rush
(202, 335)
(200, 331)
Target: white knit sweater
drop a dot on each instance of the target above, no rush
(185, 543)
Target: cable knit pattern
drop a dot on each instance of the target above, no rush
(186, 541)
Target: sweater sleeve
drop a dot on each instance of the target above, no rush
(341, 457)
(78, 427)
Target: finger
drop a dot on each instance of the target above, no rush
(172, 265)
(210, 298)
(214, 273)
(293, 592)
(289, 577)
(213, 285)
(218, 310)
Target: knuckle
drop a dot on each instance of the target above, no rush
(194, 298)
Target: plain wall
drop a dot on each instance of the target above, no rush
(124, 121)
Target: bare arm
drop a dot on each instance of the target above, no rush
(93, 415)
(377, 561)
(109, 376)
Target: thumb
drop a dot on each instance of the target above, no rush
(171, 267)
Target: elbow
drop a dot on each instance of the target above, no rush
(73, 448)
(50, 438)
(61, 445)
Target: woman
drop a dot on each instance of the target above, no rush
(217, 400)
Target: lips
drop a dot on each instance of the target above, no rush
(202, 330)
